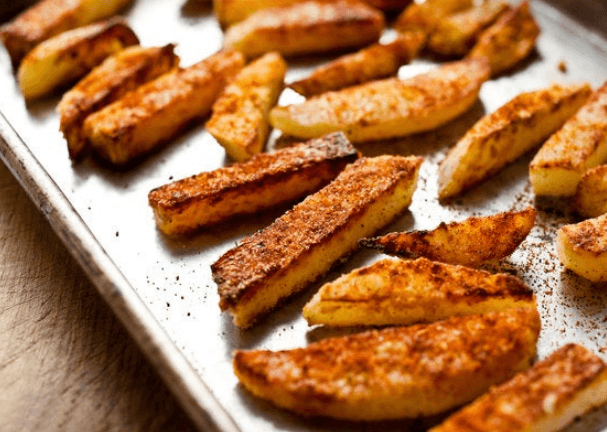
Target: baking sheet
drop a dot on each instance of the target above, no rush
(162, 289)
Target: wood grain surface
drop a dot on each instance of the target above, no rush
(66, 364)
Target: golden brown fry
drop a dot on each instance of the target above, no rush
(471, 242)
(305, 242)
(156, 111)
(265, 181)
(108, 82)
(396, 372)
(545, 398)
(71, 55)
(311, 26)
(402, 292)
(591, 195)
(374, 62)
(388, 108)
(230, 12)
(48, 18)
(510, 40)
(500, 138)
(424, 17)
(240, 114)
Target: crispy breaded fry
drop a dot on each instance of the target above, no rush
(424, 16)
(48, 18)
(500, 138)
(402, 292)
(108, 82)
(265, 181)
(545, 398)
(396, 372)
(376, 61)
(456, 34)
(71, 55)
(311, 26)
(579, 145)
(305, 242)
(471, 242)
(240, 114)
(156, 111)
(582, 248)
(591, 195)
(510, 40)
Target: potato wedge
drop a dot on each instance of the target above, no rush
(265, 181)
(396, 372)
(424, 16)
(311, 26)
(150, 115)
(509, 41)
(71, 55)
(545, 398)
(582, 248)
(48, 18)
(403, 292)
(591, 194)
(471, 242)
(374, 62)
(307, 241)
(230, 12)
(388, 108)
(456, 34)
(240, 114)
(108, 82)
(500, 138)
(579, 145)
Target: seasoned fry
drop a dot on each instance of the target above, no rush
(374, 62)
(311, 26)
(71, 55)
(500, 138)
(582, 248)
(510, 40)
(265, 181)
(156, 111)
(240, 114)
(424, 16)
(402, 292)
(455, 35)
(305, 242)
(48, 18)
(108, 82)
(591, 195)
(230, 12)
(579, 145)
(545, 398)
(388, 108)
(471, 242)
(396, 372)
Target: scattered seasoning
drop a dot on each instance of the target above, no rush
(562, 66)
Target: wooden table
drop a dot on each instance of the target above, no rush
(66, 364)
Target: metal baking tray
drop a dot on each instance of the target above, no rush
(161, 288)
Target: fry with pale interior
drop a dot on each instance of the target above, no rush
(424, 16)
(500, 138)
(398, 372)
(388, 108)
(403, 292)
(108, 82)
(579, 145)
(545, 398)
(582, 248)
(148, 116)
(71, 55)
(265, 181)
(471, 242)
(307, 241)
(509, 41)
(307, 27)
(240, 114)
(591, 196)
(48, 18)
(368, 64)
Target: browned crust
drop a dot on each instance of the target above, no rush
(243, 270)
(588, 236)
(557, 379)
(388, 5)
(425, 16)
